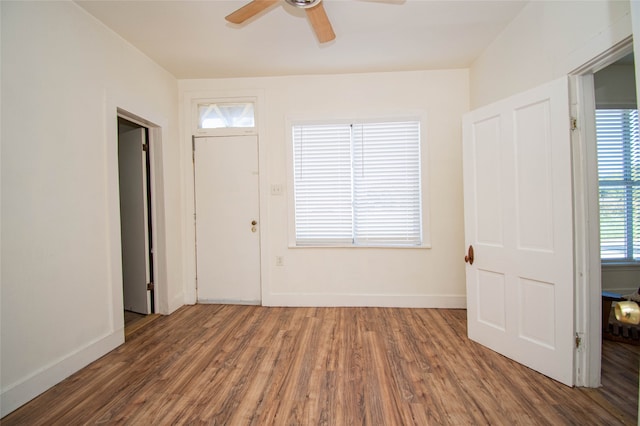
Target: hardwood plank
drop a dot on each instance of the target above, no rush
(227, 364)
(136, 322)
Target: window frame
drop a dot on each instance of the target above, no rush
(419, 116)
(223, 131)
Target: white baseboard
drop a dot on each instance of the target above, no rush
(27, 389)
(228, 302)
(367, 300)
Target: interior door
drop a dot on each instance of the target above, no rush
(518, 218)
(133, 220)
(227, 212)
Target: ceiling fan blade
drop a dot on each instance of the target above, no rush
(320, 23)
(249, 10)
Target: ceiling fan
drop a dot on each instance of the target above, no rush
(314, 8)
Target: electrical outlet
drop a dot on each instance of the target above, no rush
(279, 261)
(276, 189)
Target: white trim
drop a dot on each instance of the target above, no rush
(606, 57)
(154, 135)
(366, 300)
(20, 393)
(587, 276)
(588, 288)
(160, 258)
(228, 302)
(423, 246)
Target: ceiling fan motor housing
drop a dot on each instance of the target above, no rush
(303, 4)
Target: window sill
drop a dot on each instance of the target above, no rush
(620, 265)
(346, 246)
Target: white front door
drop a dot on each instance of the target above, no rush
(227, 213)
(518, 218)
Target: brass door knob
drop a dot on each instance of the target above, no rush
(469, 257)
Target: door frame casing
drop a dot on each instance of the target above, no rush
(154, 136)
(190, 98)
(587, 265)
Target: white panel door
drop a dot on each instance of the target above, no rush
(133, 220)
(518, 218)
(227, 212)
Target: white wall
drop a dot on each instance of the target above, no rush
(547, 40)
(354, 276)
(63, 76)
(621, 279)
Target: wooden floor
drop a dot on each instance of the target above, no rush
(133, 322)
(237, 365)
(132, 317)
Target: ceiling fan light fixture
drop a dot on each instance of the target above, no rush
(303, 4)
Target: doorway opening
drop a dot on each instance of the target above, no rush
(136, 220)
(617, 145)
(618, 154)
(588, 261)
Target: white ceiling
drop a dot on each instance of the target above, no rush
(191, 39)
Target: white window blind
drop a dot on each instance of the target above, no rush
(619, 184)
(357, 184)
(322, 180)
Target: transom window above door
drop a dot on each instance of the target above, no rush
(224, 117)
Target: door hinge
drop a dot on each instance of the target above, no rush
(574, 123)
(149, 286)
(578, 340)
(145, 147)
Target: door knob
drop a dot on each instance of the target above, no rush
(254, 223)
(469, 257)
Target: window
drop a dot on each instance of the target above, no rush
(619, 183)
(357, 184)
(226, 115)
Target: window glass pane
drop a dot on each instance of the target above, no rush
(225, 115)
(619, 184)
